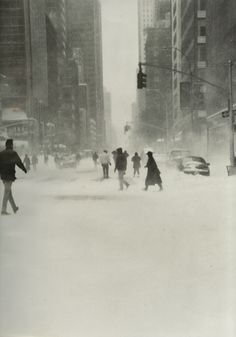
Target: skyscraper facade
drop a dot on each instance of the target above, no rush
(146, 19)
(13, 81)
(23, 59)
(85, 32)
(189, 55)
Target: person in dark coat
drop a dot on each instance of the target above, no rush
(27, 162)
(45, 157)
(153, 173)
(126, 156)
(8, 160)
(121, 164)
(136, 159)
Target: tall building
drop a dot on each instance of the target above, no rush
(56, 11)
(221, 33)
(189, 40)
(159, 81)
(85, 32)
(146, 19)
(13, 64)
(23, 58)
(57, 52)
(107, 113)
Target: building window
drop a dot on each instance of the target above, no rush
(202, 5)
(202, 31)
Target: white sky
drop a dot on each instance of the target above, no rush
(120, 55)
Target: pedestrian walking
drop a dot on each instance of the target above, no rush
(78, 158)
(45, 158)
(153, 173)
(105, 162)
(95, 159)
(34, 161)
(27, 162)
(121, 164)
(126, 156)
(57, 160)
(136, 159)
(8, 160)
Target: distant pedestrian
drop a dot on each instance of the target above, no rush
(95, 159)
(153, 173)
(27, 162)
(34, 161)
(45, 157)
(57, 160)
(78, 158)
(114, 155)
(136, 159)
(105, 162)
(8, 160)
(121, 164)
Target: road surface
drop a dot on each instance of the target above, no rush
(84, 259)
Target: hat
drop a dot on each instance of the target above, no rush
(149, 153)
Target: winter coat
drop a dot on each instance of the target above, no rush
(153, 173)
(136, 162)
(105, 159)
(121, 162)
(8, 160)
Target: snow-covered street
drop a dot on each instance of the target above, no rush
(82, 259)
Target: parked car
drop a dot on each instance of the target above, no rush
(176, 156)
(195, 165)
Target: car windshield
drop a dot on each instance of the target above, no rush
(195, 159)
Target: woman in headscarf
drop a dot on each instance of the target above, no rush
(153, 173)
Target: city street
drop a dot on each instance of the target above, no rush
(84, 259)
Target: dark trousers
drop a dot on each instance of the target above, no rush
(136, 170)
(105, 168)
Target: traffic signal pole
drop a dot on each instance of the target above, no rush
(231, 115)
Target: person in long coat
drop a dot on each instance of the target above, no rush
(153, 173)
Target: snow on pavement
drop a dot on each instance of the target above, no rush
(84, 259)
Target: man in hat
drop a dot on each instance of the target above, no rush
(8, 160)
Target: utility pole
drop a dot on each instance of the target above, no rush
(231, 115)
(191, 103)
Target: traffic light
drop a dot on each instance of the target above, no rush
(141, 79)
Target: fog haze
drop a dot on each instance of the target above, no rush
(120, 55)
